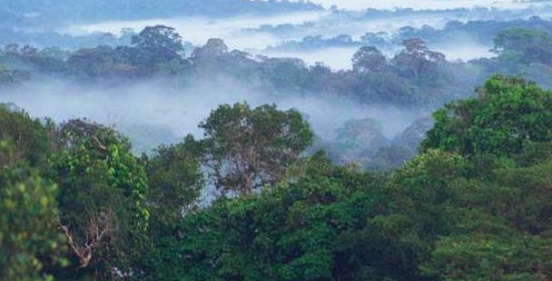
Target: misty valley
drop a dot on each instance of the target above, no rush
(275, 140)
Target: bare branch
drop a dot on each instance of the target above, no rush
(99, 228)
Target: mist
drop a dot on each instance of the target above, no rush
(156, 111)
(167, 139)
(234, 33)
(334, 58)
(245, 32)
(198, 30)
(262, 35)
(153, 112)
(464, 49)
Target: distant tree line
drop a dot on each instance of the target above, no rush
(158, 51)
(415, 78)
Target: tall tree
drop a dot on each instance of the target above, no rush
(102, 190)
(157, 44)
(369, 59)
(247, 148)
(417, 61)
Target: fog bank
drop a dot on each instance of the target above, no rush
(152, 112)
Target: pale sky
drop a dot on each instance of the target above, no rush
(422, 4)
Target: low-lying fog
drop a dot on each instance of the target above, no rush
(464, 50)
(199, 30)
(335, 58)
(340, 58)
(151, 113)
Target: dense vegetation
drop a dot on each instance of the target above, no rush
(464, 195)
(472, 205)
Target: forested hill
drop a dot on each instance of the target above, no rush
(32, 12)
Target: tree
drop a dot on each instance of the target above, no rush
(506, 114)
(247, 148)
(369, 59)
(521, 45)
(29, 136)
(285, 74)
(29, 242)
(175, 181)
(94, 62)
(102, 190)
(306, 230)
(414, 134)
(500, 226)
(213, 48)
(213, 57)
(157, 44)
(417, 61)
(357, 139)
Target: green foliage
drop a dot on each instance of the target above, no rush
(475, 204)
(446, 215)
(158, 44)
(29, 136)
(29, 242)
(418, 62)
(500, 231)
(175, 181)
(96, 62)
(284, 75)
(102, 190)
(506, 114)
(521, 45)
(486, 257)
(298, 231)
(369, 59)
(248, 148)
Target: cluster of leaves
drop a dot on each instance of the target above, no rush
(72, 196)
(506, 114)
(28, 215)
(246, 149)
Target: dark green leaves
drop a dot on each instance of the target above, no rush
(506, 114)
